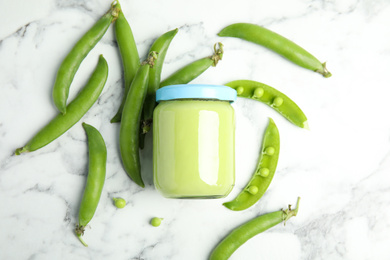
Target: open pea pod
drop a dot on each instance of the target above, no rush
(264, 173)
(273, 98)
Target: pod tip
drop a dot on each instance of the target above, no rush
(325, 72)
(306, 125)
(21, 150)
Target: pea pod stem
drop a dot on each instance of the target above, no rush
(130, 121)
(246, 231)
(81, 240)
(76, 110)
(129, 55)
(72, 61)
(289, 213)
(271, 97)
(277, 43)
(263, 174)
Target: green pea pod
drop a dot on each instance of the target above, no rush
(76, 110)
(194, 69)
(264, 173)
(96, 175)
(246, 231)
(72, 61)
(160, 46)
(129, 55)
(277, 43)
(273, 98)
(130, 121)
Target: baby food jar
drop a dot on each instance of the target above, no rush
(193, 141)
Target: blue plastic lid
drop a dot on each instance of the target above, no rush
(196, 91)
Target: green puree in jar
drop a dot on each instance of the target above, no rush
(193, 148)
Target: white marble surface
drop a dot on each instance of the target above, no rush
(340, 167)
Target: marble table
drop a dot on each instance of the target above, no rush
(340, 167)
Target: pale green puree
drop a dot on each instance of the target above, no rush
(193, 153)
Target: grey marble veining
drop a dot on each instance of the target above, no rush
(340, 167)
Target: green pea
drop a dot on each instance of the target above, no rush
(119, 203)
(264, 173)
(277, 43)
(240, 90)
(278, 101)
(155, 222)
(273, 98)
(269, 151)
(258, 93)
(246, 231)
(253, 189)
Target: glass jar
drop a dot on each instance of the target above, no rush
(193, 141)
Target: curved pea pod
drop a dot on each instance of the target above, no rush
(277, 43)
(264, 173)
(241, 234)
(160, 46)
(130, 121)
(76, 110)
(273, 98)
(194, 69)
(96, 176)
(72, 61)
(129, 55)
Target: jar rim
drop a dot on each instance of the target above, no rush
(196, 91)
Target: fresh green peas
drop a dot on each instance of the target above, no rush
(258, 93)
(155, 222)
(240, 90)
(278, 101)
(277, 43)
(119, 203)
(269, 150)
(194, 69)
(72, 61)
(253, 189)
(264, 173)
(273, 98)
(76, 109)
(246, 231)
(129, 54)
(130, 121)
(96, 175)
